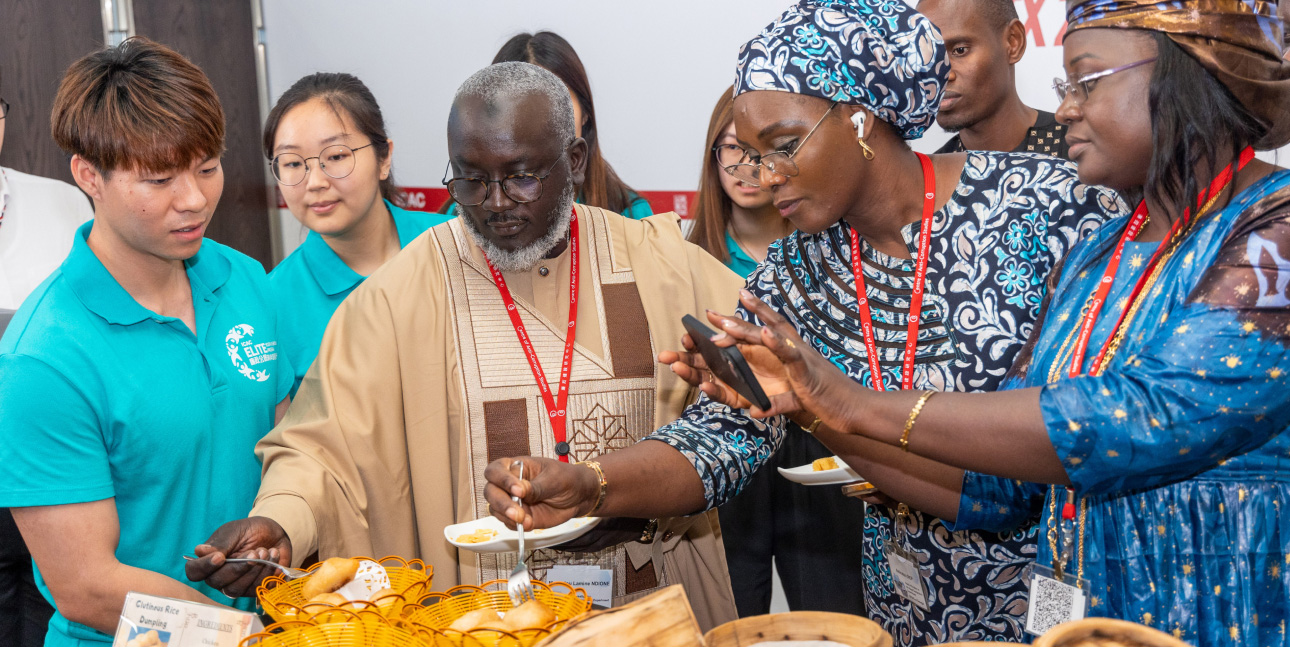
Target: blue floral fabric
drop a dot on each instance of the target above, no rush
(1178, 450)
(880, 54)
(1010, 219)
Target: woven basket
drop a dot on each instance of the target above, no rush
(438, 610)
(799, 625)
(1106, 632)
(283, 601)
(349, 629)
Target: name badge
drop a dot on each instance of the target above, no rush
(153, 621)
(1054, 601)
(598, 582)
(903, 565)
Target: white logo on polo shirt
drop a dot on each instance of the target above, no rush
(247, 354)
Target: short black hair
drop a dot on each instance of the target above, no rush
(998, 13)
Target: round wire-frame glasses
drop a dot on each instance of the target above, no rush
(747, 168)
(337, 161)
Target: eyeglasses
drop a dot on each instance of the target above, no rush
(747, 167)
(4, 108)
(520, 187)
(336, 161)
(1079, 88)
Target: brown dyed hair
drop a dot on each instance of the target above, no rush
(712, 206)
(342, 92)
(602, 187)
(140, 106)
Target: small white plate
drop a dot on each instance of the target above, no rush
(507, 540)
(806, 476)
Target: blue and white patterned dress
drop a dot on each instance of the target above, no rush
(1010, 220)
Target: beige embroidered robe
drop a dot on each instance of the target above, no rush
(421, 381)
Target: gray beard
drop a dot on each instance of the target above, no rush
(526, 258)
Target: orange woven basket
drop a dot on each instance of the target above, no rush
(438, 610)
(354, 630)
(410, 580)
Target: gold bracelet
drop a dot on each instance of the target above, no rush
(814, 425)
(604, 486)
(913, 416)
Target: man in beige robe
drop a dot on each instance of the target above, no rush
(421, 380)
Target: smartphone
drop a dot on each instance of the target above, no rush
(726, 363)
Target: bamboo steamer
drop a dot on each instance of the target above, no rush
(1106, 632)
(799, 625)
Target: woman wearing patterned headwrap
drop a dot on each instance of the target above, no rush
(1154, 398)
(827, 98)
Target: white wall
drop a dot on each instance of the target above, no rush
(656, 69)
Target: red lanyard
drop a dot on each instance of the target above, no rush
(556, 406)
(915, 299)
(1136, 223)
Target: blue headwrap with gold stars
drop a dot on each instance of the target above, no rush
(880, 54)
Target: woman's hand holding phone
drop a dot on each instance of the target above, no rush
(766, 368)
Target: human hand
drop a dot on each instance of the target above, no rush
(553, 492)
(800, 378)
(257, 537)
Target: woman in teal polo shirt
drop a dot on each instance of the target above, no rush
(136, 380)
(327, 146)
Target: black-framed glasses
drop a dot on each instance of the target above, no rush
(747, 167)
(1081, 87)
(4, 108)
(336, 161)
(520, 187)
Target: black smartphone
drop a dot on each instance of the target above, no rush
(726, 363)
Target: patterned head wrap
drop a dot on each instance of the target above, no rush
(1238, 41)
(879, 54)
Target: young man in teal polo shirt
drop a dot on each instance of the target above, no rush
(136, 380)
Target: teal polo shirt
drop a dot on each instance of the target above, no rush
(104, 398)
(310, 284)
(740, 262)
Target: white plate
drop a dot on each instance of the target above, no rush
(507, 540)
(806, 476)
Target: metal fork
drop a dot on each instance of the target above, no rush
(520, 584)
(287, 571)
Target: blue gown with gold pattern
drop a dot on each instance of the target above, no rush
(1178, 447)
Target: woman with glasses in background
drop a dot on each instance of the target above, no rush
(949, 256)
(329, 151)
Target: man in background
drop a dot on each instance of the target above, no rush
(985, 39)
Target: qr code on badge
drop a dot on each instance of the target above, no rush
(1052, 603)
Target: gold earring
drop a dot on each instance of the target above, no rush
(868, 151)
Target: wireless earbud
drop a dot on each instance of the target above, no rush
(858, 120)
